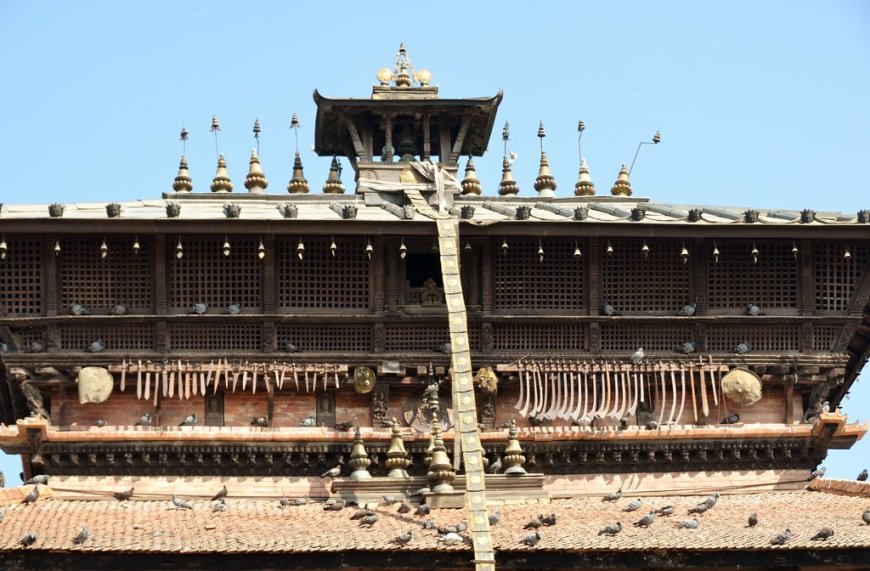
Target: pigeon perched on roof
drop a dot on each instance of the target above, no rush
(181, 504)
(390, 500)
(347, 425)
(198, 309)
(222, 493)
(291, 348)
(818, 473)
(549, 520)
(823, 534)
(633, 506)
(77, 309)
(612, 496)
(753, 520)
(638, 355)
(40, 479)
(652, 425)
(741, 348)
(35, 347)
(451, 539)
(445, 529)
(261, 421)
(96, 346)
(31, 496)
(495, 517)
(101, 422)
(189, 420)
(369, 520)
(421, 491)
(332, 472)
(496, 466)
(361, 513)
(862, 477)
(665, 511)
(731, 419)
(534, 523)
(705, 505)
(335, 505)
(422, 509)
(233, 309)
(609, 310)
(219, 506)
(531, 540)
(144, 420)
(687, 310)
(28, 539)
(119, 309)
(123, 495)
(309, 421)
(610, 529)
(866, 516)
(754, 310)
(686, 347)
(781, 538)
(446, 348)
(646, 520)
(284, 502)
(403, 539)
(299, 501)
(689, 523)
(405, 507)
(428, 524)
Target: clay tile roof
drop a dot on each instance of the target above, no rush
(260, 526)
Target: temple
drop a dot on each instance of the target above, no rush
(485, 356)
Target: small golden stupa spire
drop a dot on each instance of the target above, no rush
(403, 78)
(584, 186)
(221, 181)
(471, 184)
(622, 186)
(297, 184)
(256, 182)
(508, 186)
(182, 182)
(333, 181)
(545, 183)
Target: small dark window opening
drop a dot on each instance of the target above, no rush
(420, 267)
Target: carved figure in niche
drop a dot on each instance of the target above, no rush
(326, 410)
(487, 411)
(430, 294)
(214, 409)
(381, 405)
(34, 401)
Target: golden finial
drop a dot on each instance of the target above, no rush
(403, 79)
(221, 181)
(256, 182)
(545, 183)
(424, 77)
(215, 127)
(622, 186)
(182, 182)
(333, 181)
(257, 132)
(508, 186)
(297, 184)
(584, 186)
(385, 76)
(470, 184)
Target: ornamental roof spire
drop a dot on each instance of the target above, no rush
(221, 181)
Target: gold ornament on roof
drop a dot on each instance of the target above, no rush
(333, 181)
(471, 184)
(385, 76)
(221, 181)
(256, 182)
(182, 182)
(584, 186)
(622, 186)
(297, 184)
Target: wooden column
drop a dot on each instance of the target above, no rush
(486, 283)
(444, 142)
(268, 283)
(49, 270)
(806, 282)
(388, 137)
(593, 282)
(427, 142)
(789, 397)
(394, 265)
(160, 275)
(376, 275)
(698, 285)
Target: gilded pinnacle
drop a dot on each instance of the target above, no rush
(182, 182)
(545, 183)
(622, 186)
(297, 184)
(333, 181)
(508, 186)
(584, 186)
(221, 181)
(470, 184)
(256, 182)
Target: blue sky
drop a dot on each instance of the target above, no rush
(760, 104)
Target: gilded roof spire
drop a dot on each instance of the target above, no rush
(256, 182)
(508, 186)
(182, 182)
(333, 181)
(622, 186)
(221, 181)
(297, 184)
(545, 183)
(470, 184)
(584, 186)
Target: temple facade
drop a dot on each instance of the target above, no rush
(491, 354)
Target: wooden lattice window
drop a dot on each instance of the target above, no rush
(764, 338)
(824, 337)
(21, 278)
(114, 337)
(214, 337)
(122, 277)
(205, 275)
(522, 281)
(28, 335)
(541, 338)
(633, 282)
(652, 337)
(836, 275)
(344, 337)
(736, 280)
(424, 336)
(320, 280)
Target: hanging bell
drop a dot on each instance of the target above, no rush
(577, 253)
(333, 247)
(609, 249)
(794, 250)
(136, 246)
(179, 249)
(226, 247)
(540, 251)
(754, 253)
(684, 253)
(467, 247)
(435, 246)
(104, 249)
(504, 246)
(644, 250)
(369, 249)
(403, 250)
(4, 249)
(847, 255)
(715, 253)
(261, 250)
(300, 250)
(57, 247)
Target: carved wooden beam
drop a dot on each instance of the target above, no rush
(460, 138)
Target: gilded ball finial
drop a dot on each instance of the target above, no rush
(545, 183)
(221, 181)
(508, 186)
(182, 182)
(385, 76)
(584, 186)
(471, 184)
(424, 77)
(622, 186)
(256, 182)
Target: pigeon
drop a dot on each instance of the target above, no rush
(689, 523)
(652, 425)
(405, 507)
(28, 540)
(233, 308)
(496, 466)
(118, 309)
(101, 422)
(123, 495)
(610, 529)
(422, 491)
(609, 310)
(96, 346)
(198, 309)
(334, 505)
(445, 529)
(361, 513)
(549, 520)
(390, 500)
(260, 421)
(144, 420)
(40, 479)
(76, 309)
(345, 426)
(309, 421)
(403, 539)
(665, 511)
(781, 538)
(332, 472)
(741, 348)
(35, 347)
(428, 524)
(686, 347)
(731, 419)
(4, 347)
(700, 508)
(826, 406)
(612, 496)
(753, 520)
(823, 534)
(181, 504)
(637, 356)
(219, 506)
(536, 421)
(862, 477)
(634, 505)
(284, 502)
(446, 348)
(818, 473)
(753, 310)
(188, 420)
(221, 494)
(291, 348)
(687, 310)
(535, 523)
(462, 526)
(298, 501)
(422, 509)
(451, 539)
(866, 517)
(646, 520)
(31, 496)
(494, 518)
(531, 540)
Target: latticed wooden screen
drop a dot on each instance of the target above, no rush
(824, 336)
(635, 283)
(214, 337)
(541, 338)
(98, 283)
(28, 335)
(736, 280)
(652, 337)
(114, 337)
(767, 338)
(319, 280)
(424, 336)
(205, 275)
(21, 278)
(350, 338)
(523, 282)
(836, 275)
